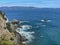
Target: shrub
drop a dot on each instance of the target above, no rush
(3, 15)
(6, 43)
(9, 27)
(11, 38)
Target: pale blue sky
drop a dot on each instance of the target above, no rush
(35, 3)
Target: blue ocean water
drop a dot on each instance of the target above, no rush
(45, 33)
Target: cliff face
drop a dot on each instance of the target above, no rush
(3, 30)
(8, 34)
(5, 35)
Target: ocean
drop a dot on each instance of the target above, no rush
(46, 33)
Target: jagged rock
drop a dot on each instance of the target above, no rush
(3, 30)
(14, 21)
(6, 27)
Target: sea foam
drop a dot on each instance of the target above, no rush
(27, 34)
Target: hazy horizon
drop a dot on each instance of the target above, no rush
(31, 3)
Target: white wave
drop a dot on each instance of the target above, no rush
(26, 27)
(23, 22)
(45, 20)
(28, 35)
(41, 36)
(43, 25)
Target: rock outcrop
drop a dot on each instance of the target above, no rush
(5, 34)
(3, 29)
(8, 31)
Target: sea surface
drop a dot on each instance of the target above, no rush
(46, 33)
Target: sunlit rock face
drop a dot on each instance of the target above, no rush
(2, 22)
(6, 19)
(3, 30)
(3, 19)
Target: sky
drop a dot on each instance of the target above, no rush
(34, 3)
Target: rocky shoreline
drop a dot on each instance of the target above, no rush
(11, 32)
(8, 34)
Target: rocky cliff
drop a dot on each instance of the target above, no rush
(8, 34)
(3, 29)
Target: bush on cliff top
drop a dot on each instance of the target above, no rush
(3, 15)
(8, 25)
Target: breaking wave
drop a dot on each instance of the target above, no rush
(27, 34)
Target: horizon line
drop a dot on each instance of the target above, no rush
(29, 6)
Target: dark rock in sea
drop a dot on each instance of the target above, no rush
(20, 38)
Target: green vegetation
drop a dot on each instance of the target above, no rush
(8, 26)
(8, 37)
(3, 15)
(5, 41)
